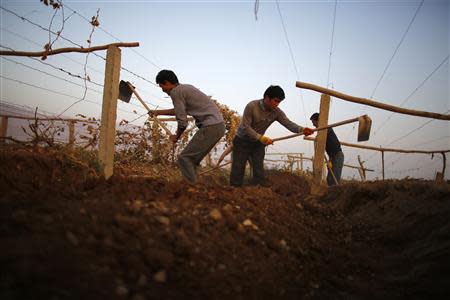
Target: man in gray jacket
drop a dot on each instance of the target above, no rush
(188, 100)
(250, 141)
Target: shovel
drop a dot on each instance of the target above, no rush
(364, 126)
(126, 89)
(330, 169)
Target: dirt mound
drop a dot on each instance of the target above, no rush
(408, 222)
(26, 171)
(68, 234)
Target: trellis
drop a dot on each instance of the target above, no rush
(299, 158)
(323, 121)
(71, 125)
(110, 95)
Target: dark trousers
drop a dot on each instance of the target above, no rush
(200, 145)
(337, 162)
(243, 151)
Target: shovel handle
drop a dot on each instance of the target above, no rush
(331, 170)
(148, 109)
(215, 168)
(137, 95)
(317, 129)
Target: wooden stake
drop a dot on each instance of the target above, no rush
(71, 134)
(382, 162)
(361, 174)
(3, 128)
(362, 171)
(301, 162)
(109, 111)
(319, 150)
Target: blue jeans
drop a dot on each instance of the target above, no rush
(338, 162)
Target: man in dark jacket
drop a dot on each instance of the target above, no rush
(250, 141)
(334, 151)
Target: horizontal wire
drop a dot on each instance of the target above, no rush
(56, 68)
(112, 36)
(51, 75)
(412, 93)
(57, 92)
(39, 45)
(74, 43)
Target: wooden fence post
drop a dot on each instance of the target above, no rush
(319, 150)
(4, 128)
(441, 175)
(362, 171)
(109, 111)
(301, 162)
(71, 134)
(290, 163)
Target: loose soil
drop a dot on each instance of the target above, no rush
(66, 233)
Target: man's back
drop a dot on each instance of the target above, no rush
(333, 145)
(188, 100)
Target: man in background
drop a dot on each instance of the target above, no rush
(334, 151)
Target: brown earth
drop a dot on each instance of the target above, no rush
(65, 233)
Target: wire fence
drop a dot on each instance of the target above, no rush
(135, 112)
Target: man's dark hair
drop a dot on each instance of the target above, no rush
(314, 117)
(274, 91)
(166, 75)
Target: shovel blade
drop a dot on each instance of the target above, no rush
(364, 126)
(124, 91)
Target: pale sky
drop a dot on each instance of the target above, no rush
(394, 52)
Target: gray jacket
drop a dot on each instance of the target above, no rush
(257, 119)
(188, 100)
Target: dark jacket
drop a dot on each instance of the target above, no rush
(333, 145)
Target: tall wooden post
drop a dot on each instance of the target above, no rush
(362, 170)
(71, 134)
(290, 162)
(109, 111)
(361, 174)
(319, 150)
(382, 162)
(3, 128)
(301, 162)
(441, 175)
